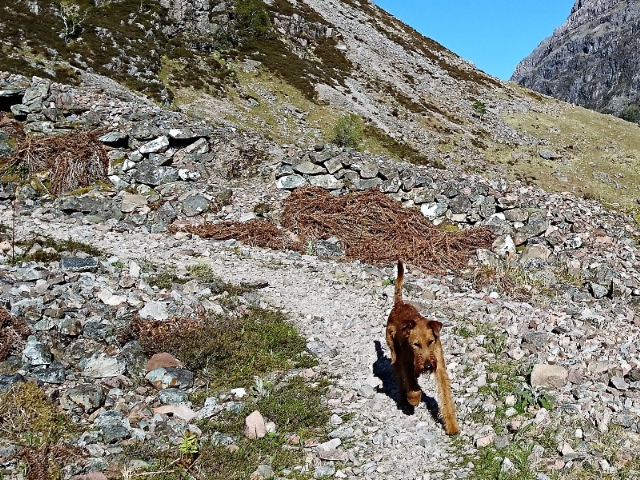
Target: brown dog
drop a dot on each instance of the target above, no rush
(415, 348)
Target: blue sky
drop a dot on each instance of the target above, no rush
(493, 34)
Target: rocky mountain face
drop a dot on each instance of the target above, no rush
(591, 60)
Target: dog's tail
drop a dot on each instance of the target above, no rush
(397, 297)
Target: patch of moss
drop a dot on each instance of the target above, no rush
(165, 280)
(27, 416)
(228, 349)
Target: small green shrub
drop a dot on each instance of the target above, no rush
(631, 113)
(479, 107)
(348, 131)
(252, 17)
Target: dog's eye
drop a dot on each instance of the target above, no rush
(417, 345)
(431, 342)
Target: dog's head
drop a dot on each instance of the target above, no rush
(422, 336)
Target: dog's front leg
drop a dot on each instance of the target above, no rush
(445, 399)
(414, 392)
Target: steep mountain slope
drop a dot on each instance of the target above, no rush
(591, 60)
(291, 69)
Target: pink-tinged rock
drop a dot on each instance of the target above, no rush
(254, 426)
(550, 376)
(484, 441)
(181, 411)
(90, 476)
(619, 383)
(163, 360)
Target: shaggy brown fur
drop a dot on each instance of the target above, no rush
(415, 348)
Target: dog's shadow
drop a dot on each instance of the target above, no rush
(383, 370)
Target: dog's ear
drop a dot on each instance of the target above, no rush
(407, 327)
(436, 327)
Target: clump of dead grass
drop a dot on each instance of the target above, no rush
(257, 233)
(370, 225)
(13, 333)
(75, 159)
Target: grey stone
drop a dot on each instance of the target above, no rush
(422, 195)
(324, 471)
(163, 378)
(343, 433)
(626, 419)
(89, 397)
(52, 373)
(200, 146)
(390, 186)
(516, 215)
(154, 311)
(333, 165)
(134, 358)
(433, 210)
(114, 138)
(428, 441)
(36, 352)
(367, 183)
(367, 168)
(152, 175)
(160, 144)
(548, 154)
(619, 383)
(172, 396)
(19, 110)
(366, 391)
(79, 264)
(36, 93)
(112, 426)
(101, 365)
(7, 145)
(460, 204)
(486, 207)
(308, 168)
(328, 182)
(538, 340)
(290, 182)
(321, 349)
(195, 205)
(263, 472)
(28, 274)
(329, 248)
(501, 441)
(159, 160)
(536, 226)
(7, 380)
(388, 171)
(333, 455)
(284, 170)
(573, 241)
(598, 291)
(182, 134)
